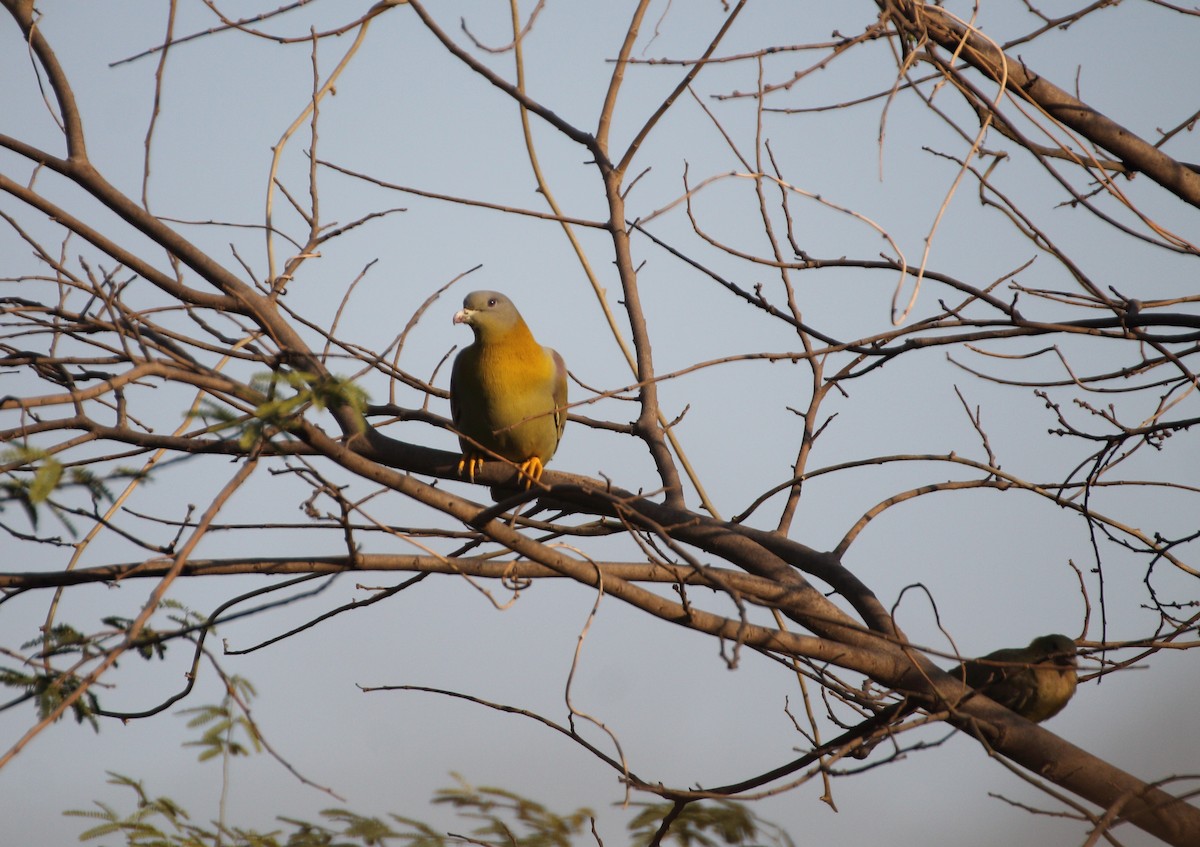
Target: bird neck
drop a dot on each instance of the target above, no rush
(516, 336)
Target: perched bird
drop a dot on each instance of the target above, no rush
(1035, 681)
(508, 394)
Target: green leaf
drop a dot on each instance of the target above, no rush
(45, 480)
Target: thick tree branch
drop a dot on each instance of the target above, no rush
(983, 55)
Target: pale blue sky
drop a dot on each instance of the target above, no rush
(408, 114)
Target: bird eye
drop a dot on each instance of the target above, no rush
(491, 301)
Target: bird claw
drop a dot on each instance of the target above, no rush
(470, 462)
(531, 471)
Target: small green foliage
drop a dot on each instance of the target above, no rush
(96, 486)
(420, 834)
(288, 394)
(307, 390)
(541, 827)
(225, 722)
(368, 830)
(335, 391)
(148, 824)
(30, 490)
(499, 817)
(181, 614)
(48, 690)
(48, 687)
(148, 644)
(35, 475)
(61, 640)
(503, 819)
(45, 479)
(220, 417)
(707, 823)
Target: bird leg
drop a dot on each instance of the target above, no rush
(470, 462)
(531, 470)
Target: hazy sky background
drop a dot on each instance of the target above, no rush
(407, 113)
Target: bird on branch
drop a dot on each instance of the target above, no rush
(508, 394)
(1036, 682)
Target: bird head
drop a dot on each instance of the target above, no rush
(488, 314)
(1054, 649)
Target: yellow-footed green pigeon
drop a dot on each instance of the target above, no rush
(508, 394)
(1036, 682)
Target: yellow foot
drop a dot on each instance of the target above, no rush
(470, 462)
(531, 470)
